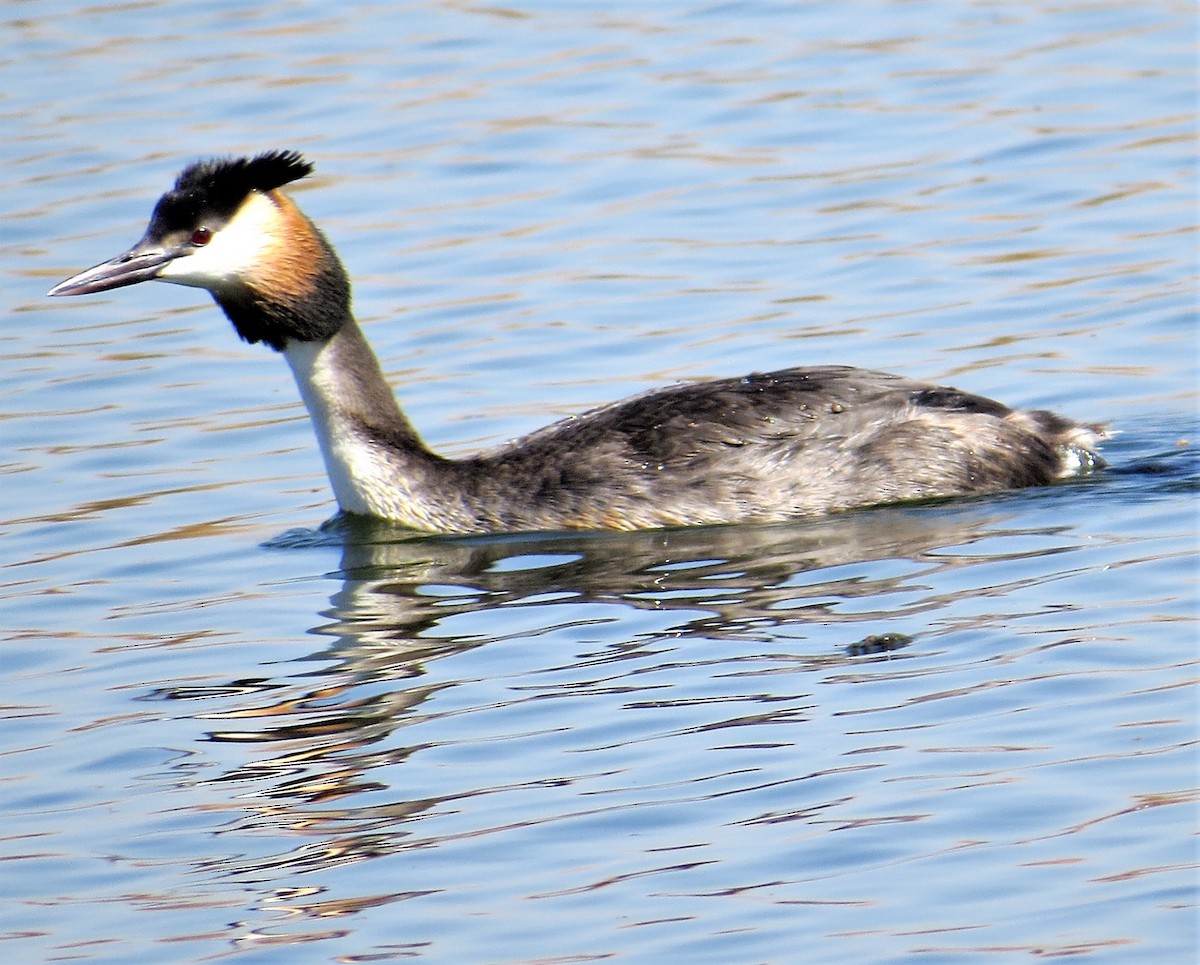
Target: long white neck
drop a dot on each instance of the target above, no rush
(376, 463)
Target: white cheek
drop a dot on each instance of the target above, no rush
(233, 251)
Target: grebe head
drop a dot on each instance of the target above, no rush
(226, 227)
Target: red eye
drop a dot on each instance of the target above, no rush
(200, 237)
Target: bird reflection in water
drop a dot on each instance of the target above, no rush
(323, 737)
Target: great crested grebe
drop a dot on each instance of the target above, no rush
(762, 448)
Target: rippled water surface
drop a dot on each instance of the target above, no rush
(937, 733)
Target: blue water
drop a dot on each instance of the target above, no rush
(943, 733)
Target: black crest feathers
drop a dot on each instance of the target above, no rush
(216, 188)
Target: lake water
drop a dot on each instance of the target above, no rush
(952, 733)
